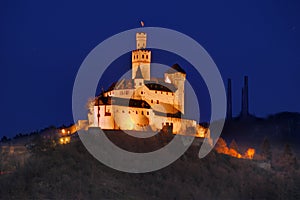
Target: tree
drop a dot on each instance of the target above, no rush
(221, 146)
(233, 145)
(266, 150)
(288, 161)
(4, 139)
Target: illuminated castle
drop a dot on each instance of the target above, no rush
(145, 103)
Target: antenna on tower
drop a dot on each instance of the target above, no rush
(142, 24)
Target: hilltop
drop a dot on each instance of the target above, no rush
(70, 172)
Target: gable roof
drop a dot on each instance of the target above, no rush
(174, 69)
(160, 86)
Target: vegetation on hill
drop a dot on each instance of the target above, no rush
(70, 172)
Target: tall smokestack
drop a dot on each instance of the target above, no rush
(229, 100)
(245, 98)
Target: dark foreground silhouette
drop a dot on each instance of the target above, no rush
(70, 172)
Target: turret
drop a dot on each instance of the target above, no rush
(176, 76)
(141, 57)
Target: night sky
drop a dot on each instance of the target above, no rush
(43, 43)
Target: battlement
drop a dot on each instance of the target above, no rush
(141, 40)
(141, 34)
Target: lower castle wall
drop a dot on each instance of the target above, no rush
(140, 119)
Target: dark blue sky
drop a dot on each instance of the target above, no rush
(43, 43)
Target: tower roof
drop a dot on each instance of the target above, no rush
(139, 73)
(175, 68)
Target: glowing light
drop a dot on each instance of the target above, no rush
(64, 140)
(250, 153)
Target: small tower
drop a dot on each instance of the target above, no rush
(141, 57)
(176, 75)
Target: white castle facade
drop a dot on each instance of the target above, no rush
(145, 103)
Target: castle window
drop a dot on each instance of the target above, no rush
(146, 56)
(142, 112)
(155, 92)
(142, 92)
(166, 93)
(123, 111)
(161, 92)
(129, 112)
(137, 56)
(147, 112)
(142, 56)
(172, 94)
(157, 101)
(151, 100)
(140, 83)
(136, 112)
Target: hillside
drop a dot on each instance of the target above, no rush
(70, 172)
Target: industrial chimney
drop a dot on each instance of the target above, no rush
(229, 100)
(245, 102)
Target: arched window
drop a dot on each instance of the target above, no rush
(143, 56)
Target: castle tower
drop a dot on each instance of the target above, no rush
(176, 75)
(229, 100)
(141, 57)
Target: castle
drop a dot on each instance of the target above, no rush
(145, 103)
